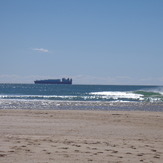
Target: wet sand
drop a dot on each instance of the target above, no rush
(80, 136)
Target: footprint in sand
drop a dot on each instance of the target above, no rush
(3, 155)
(157, 156)
(64, 148)
(12, 151)
(109, 155)
(153, 150)
(76, 150)
(120, 157)
(132, 147)
(140, 154)
(18, 141)
(108, 150)
(23, 146)
(28, 150)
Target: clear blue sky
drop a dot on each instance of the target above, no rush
(92, 41)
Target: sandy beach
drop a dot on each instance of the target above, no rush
(80, 136)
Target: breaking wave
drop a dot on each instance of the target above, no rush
(141, 95)
(118, 95)
(137, 96)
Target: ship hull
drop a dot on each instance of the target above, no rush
(54, 81)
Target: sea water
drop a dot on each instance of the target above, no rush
(81, 97)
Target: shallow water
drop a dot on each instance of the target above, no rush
(80, 105)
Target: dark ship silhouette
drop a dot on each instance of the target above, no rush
(54, 81)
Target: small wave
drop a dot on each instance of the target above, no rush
(146, 93)
(151, 96)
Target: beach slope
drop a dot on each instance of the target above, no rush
(80, 136)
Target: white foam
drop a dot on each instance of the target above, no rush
(34, 96)
(117, 95)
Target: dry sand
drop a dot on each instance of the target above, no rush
(80, 136)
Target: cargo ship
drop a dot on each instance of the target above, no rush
(54, 81)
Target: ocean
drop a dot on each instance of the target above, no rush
(81, 97)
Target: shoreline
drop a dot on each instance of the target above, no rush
(80, 136)
(79, 105)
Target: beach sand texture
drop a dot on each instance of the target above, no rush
(80, 136)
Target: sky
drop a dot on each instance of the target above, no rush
(90, 41)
